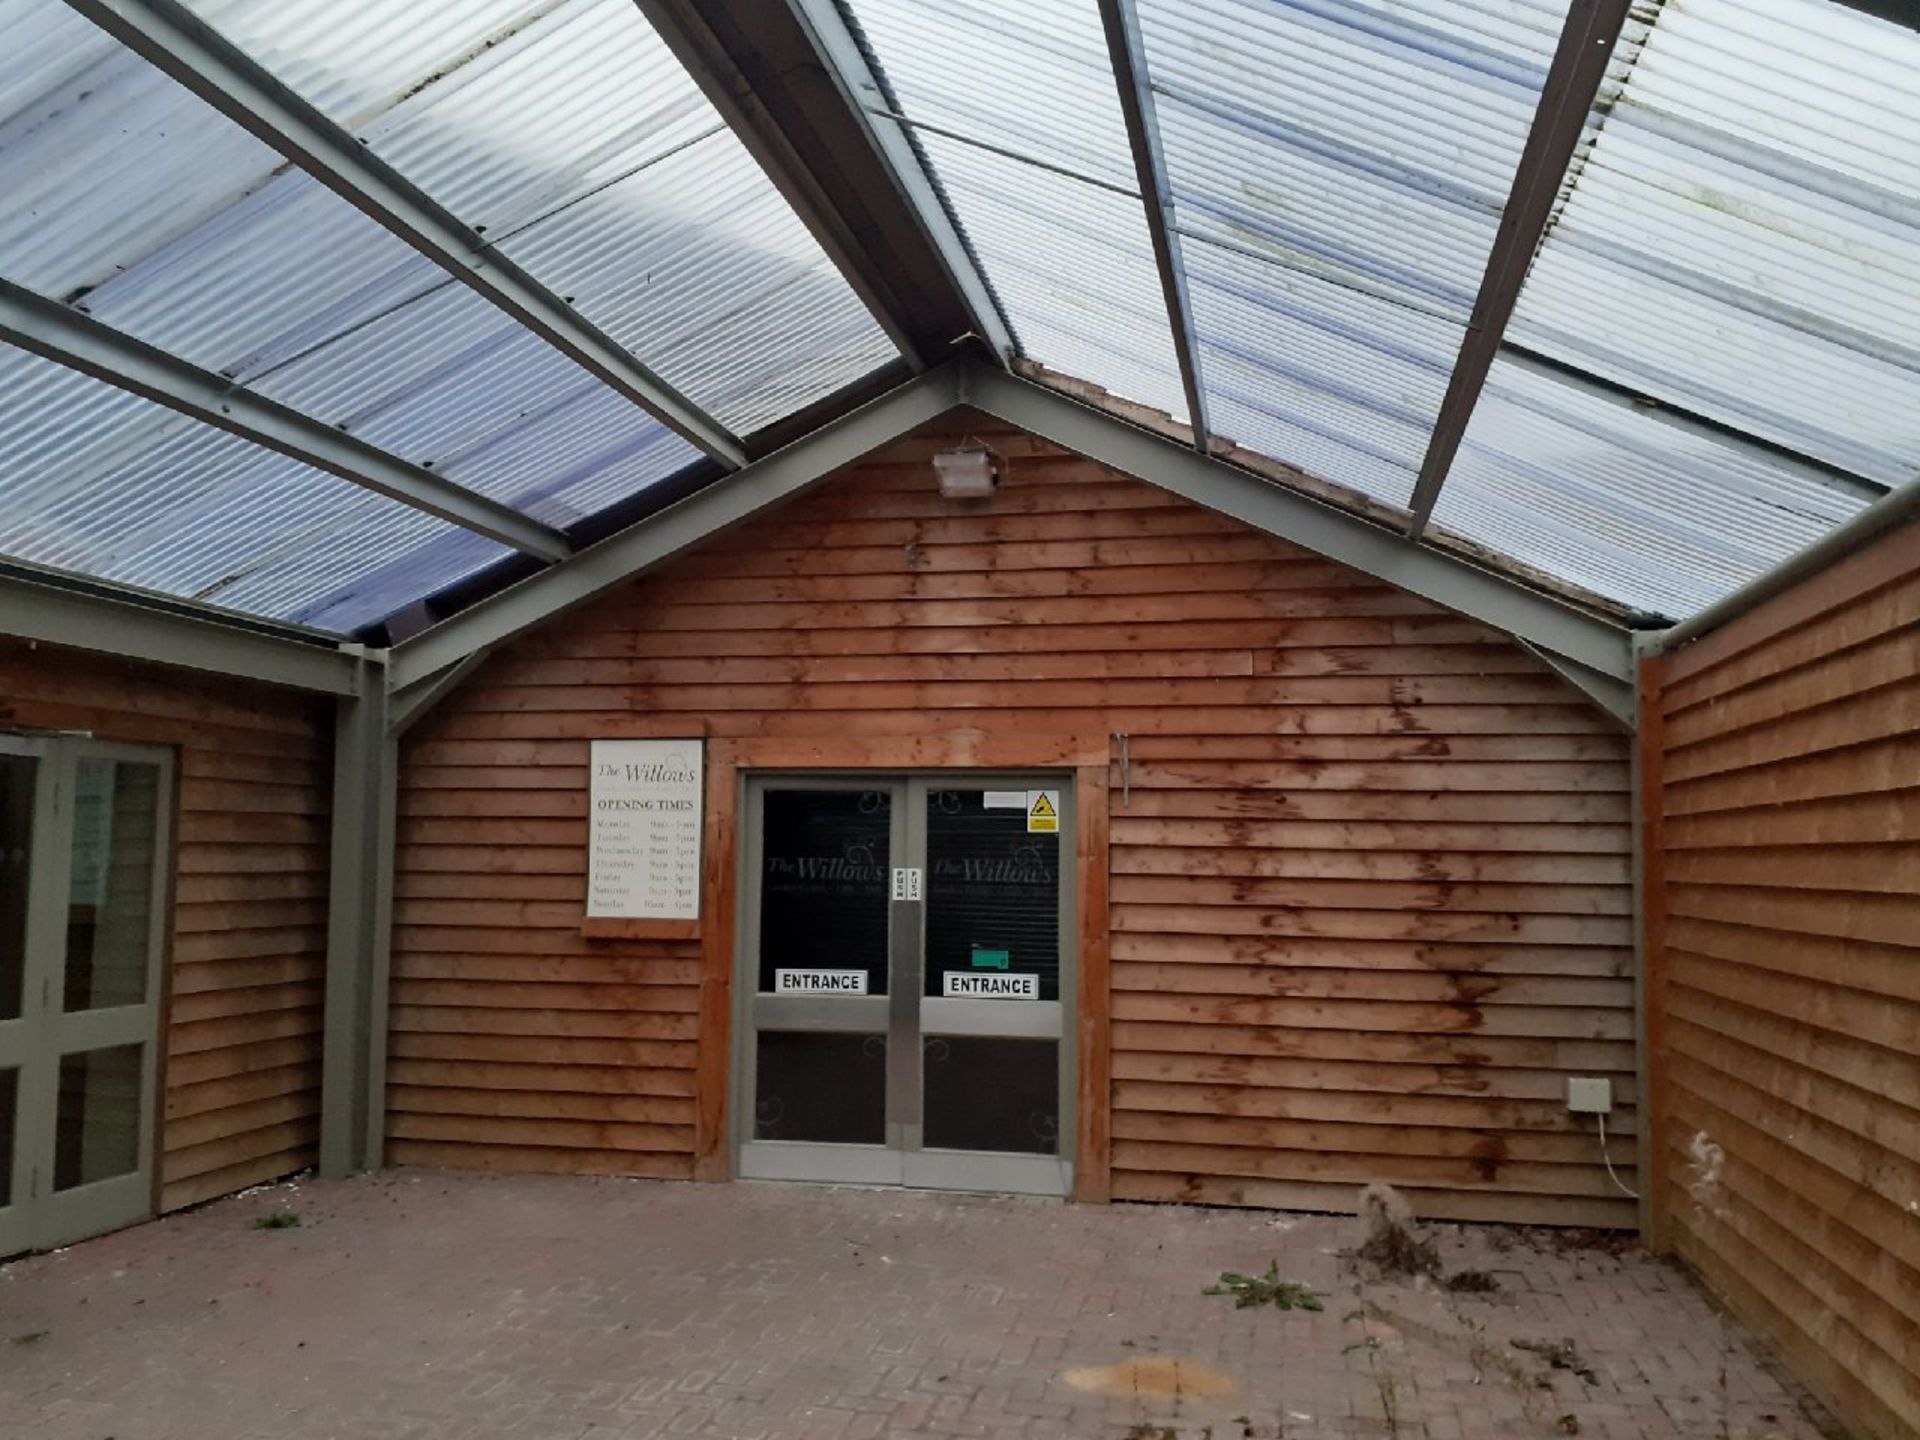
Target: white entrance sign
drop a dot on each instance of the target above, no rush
(1004, 800)
(982, 985)
(819, 982)
(643, 839)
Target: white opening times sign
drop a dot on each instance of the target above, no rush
(643, 838)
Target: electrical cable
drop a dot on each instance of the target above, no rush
(1601, 1120)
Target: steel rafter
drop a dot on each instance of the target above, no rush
(1573, 81)
(69, 337)
(1128, 54)
(169, 36)
(792, 83)
(1449, 580)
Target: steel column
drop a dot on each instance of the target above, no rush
(359, 924)
(1448, 580)
(172, 38)
(730, 499)
(1128, 54)
(1579, 66)
(69, 337)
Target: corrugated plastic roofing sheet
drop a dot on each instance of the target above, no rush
(1018, 99)
(1623, 501)
(1338, 172)
(537, 122)
(1739, 238)
(569, 136)
(1744, 237)
(112, 486)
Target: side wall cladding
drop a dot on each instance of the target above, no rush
(240, 1064)
(1784, 944)
(1370, 893)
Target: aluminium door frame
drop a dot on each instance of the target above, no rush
(887, 1163)
(47, 1218)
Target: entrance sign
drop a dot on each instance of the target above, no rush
(1043, 812)
(819, 982)
(1003, 800)
(984, 985)
(643, 839)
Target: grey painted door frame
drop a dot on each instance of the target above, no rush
(905, 1015)
(33, 1046)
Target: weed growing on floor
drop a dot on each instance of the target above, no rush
(1568, 1424)
(279, 1220)
(1471, 1282)
(32, 1337)
(1249, 1292)
(1388, 1240)
(1386, 1386)
(1559, 1355)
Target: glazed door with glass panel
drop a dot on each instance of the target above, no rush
(905, 983)
(83, 840)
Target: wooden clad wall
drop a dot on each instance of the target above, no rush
(1785, 940)
(1369, 861)
(241, 1061)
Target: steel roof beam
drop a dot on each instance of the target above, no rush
(1573, 81)
(1129, 57)
(791, 81)
(58, 611)
(170, 37)
(614, 561)
(1447, 580)
(69, 337)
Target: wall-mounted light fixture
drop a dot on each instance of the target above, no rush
(968, 472)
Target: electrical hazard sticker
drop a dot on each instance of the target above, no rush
(1043, 812)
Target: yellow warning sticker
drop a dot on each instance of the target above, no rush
(1043, 812)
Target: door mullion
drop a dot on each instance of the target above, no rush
(904, 932)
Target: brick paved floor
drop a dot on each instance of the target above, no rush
(420, 1304)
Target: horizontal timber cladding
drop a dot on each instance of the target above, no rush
(1784, 967)
(1369, 872)
(240, 1067)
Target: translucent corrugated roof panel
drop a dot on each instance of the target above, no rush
(135, 200)
(569, 136)
(1626, 503)
(1059, 231)
(452, 382)
(1338, 172)
(111, 486)
(1756, 186)
(1338, 382)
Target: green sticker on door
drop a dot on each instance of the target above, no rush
(985, 959)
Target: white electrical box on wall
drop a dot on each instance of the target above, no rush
(1589, 1096)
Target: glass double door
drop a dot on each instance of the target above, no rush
(907, 982)
(83, 840)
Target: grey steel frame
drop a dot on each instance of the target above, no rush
(904, 1010)
(1573, 81)
(1128, 55)
(69, 337)
(787, 76)
(171, 37)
